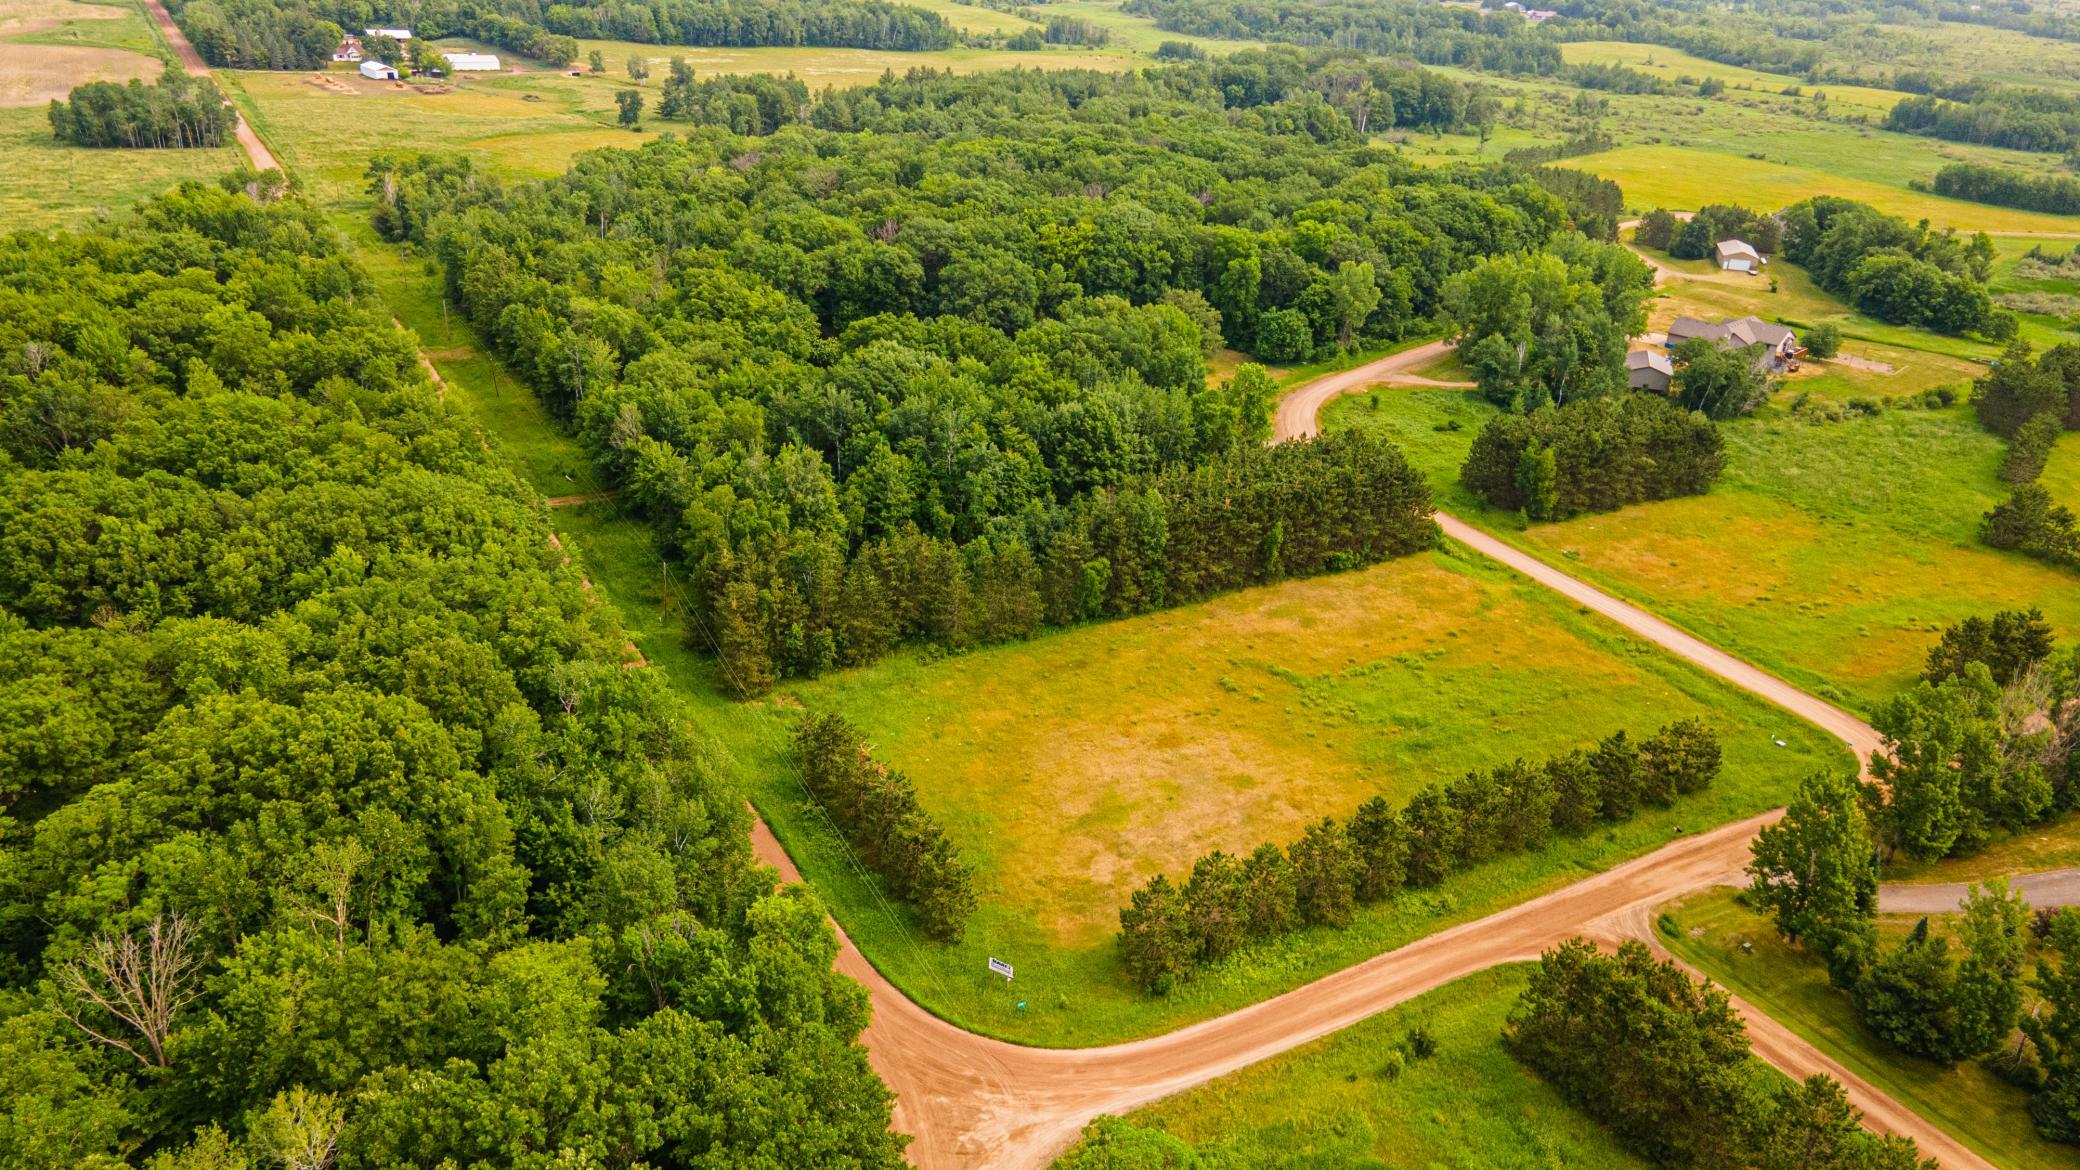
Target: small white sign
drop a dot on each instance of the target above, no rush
(1000, 967)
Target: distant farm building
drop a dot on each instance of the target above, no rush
(349, 50)
(472, 62)
(1646, 369)
(395, 34)
(377, 71)
(1780, 344)
(1736, 256)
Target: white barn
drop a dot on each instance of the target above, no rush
(472, 62)
(377, 71)
(1738, 256)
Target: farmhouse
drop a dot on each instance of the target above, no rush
(472, 62)
(1646, 369)
(1736, 256)
(349, 50)
(1781, 344)
(377, 71)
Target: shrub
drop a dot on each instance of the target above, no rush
(1824, 341)
(2030, 449)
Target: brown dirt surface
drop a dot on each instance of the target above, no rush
(256, 150)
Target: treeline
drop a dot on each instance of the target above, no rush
(175, 111)
(2004, 187)
(1249, 516)
(1169, 931)
(1432, 34)
(2018, 119)
(972, 338)
(1587, 142)
(1614, 79)
(317, 744)
(259, 34)
(2030, 401)
(1699, 236)
(1663, 1061)
(1594, 455)
(1893, 270)
(851, 24)
(555, 50)
(875, 808)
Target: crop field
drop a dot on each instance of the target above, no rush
(1335, 1103)
(49, 46)
(1739, 949)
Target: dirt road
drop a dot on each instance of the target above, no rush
(257, 153)
(970, 1101)
(2052, 888)
(1300, 407)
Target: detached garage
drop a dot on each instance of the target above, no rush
(377, 71)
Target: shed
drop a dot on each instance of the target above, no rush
(1647, 369)
(1737, 256)
(472, 62)
(377, 71)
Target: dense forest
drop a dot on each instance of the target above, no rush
(175, 111)
(2019, 119)
(338, 827)
(301, 34)
(1433, 34)
(947, 380)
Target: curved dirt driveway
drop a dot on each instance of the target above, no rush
(970, 1101)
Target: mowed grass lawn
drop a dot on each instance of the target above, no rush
(1740, 950)
(1333, 1103)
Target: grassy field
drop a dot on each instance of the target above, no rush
(839, 68)
(1696, 173)
(325, 126)
(1333, 1104)
(1670, 64)
(1739, 949)
(1831, 552)
(1223, 725)
(46, 48)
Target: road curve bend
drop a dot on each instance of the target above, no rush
(972, 1101)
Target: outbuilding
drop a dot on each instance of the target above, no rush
(472, 62)
(1647, 369)
(377, 71)
(1737, 256)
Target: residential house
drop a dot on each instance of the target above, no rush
(1780, 344)
(1736, 256)
(1647, 369)
(349, 50)
(472, 62)
(377, 71)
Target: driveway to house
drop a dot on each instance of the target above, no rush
(972, 1101)
(1302, 405)
(257, 153)
(2049, 889)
